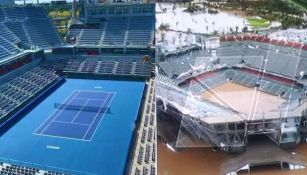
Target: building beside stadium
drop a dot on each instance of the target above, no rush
(81, 106)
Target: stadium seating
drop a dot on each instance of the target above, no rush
(2, 15)
(90, 36)
(8, 35)
(275, 56)
(105, 65)
(8, 43)
(115, 31)
(15, 13)
(166, 80)
(34, 12)
(8, 46)
(266, 85)
(31, 26)
(230, 51)
(19, 30)
(140, 30)
(73, 33)
(11, 169)
(44, 39)
(214, 81)
(242, 78)
(18, 90)
(4, 53)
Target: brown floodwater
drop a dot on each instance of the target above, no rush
(244, 99)
(204, 161)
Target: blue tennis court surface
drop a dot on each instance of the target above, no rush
(78, 116)
(85, 127)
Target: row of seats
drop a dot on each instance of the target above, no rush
(140, 31)
(7, 34)
(268, 86)
(90, 36)
(146, 171)
(118, 67)
(209, 83)
(116, 31)
(31, 26)
(10, 169)
(8, 42)
(18, 13)
(273, 58)
(18, 90)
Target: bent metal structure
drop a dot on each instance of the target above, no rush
(265, 66)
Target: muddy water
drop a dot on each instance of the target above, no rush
(243, 99)
(204, 161)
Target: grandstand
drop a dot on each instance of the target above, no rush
(6, 2)
(123, 27)
(267, 75)
(22, 23)
(68, 101)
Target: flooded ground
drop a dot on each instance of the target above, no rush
(201, 22)
(248, 101)
(204, 161)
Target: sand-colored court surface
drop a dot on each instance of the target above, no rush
(248, 101)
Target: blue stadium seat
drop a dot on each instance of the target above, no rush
(8, 45)
(91, 36)
(7, 34)
(4, 52)
(140, 31)
(15, 13)
(116, 31)
(2, 15)
(35, 12)
(19, 30)
(31, 25)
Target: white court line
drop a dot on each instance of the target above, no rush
(95, 91)
(255, 90)
(79, 111)
(61, 137)
(97, 87)
(183, 116)
(96, 117)
(255, 102)
(70, 96)
(78, 91)
(58, 114)
(96, 99)
(71, 123)
(103, 116)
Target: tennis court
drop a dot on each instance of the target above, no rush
(78, 116)
(85, 127)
